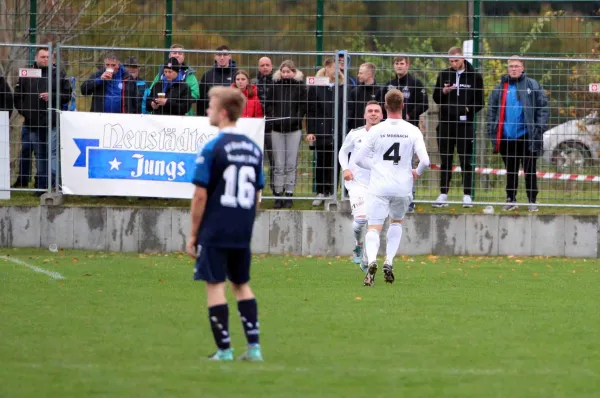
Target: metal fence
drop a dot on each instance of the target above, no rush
(429, 26)
(568, 172)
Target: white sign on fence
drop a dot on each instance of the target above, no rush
(594, 87)
(4, 156)
(317, 81)
(135, 155)
(30, 72)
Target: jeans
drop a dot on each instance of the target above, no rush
(34, 140)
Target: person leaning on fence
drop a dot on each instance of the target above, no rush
(253, 106)
(459, 93)
(286, 106)
(132, 66)
(221, 74)
(112, 88)
(517, 119)
(31, 100)
(415, 98)
(367, 90)
(264, 82)
(6, 97)
(186, 74)
(321, 120)
(170, 95)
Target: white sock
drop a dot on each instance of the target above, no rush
(394, 235)
(372, 243)
(358, 227)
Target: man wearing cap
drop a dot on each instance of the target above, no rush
(112, 88)
(170, 95)
(186, 74)
(132, 66)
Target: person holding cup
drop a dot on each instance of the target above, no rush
(112, 88)
(171, 95)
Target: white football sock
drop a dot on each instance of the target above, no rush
(372, 243)
(394, 235)
(358, 226)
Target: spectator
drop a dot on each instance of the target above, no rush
(286, 104)
(264, 77)
(221, 74)
(459, 92)
(321, 127)
(344, 64)
(112, 88)
(170, 95)
(132, 66)
(517, 118)
(415, 98)
(367, 90)
(6, 96)
(264, 82)
(253, 106)
(31, 100)
(186, 74)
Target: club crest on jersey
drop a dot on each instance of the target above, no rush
(406, 92)
(390, 87)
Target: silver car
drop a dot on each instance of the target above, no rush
(575, 143)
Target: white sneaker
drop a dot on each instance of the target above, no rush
(467, 201)
(319, 200)
(441, 201)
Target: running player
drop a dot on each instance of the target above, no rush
(356, 179)
(388, 153)
(228, 179)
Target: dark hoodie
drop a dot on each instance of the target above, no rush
(468, 94)
(217, 76)
(415, 97)
(6, 96)
(28, 101)
(286, 98)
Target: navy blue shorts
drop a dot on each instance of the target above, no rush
(217, 264)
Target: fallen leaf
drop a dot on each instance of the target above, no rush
(510, 256)
(357, 298)
(534, 274)
(74, 260)
(574, 271)
(160, 281)
(500, 276)
(309, 256)
(518, 261)
(329, 263)
(100, 291)
(87, 274)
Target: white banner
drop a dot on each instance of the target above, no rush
(135, 155)
(4, 156)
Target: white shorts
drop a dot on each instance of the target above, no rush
(358, 198)
(379, 207)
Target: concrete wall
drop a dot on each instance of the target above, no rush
(300, 232)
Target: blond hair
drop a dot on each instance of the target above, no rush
(394, 100)
(455, 51)
(230, 99)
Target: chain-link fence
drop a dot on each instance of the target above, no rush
(26, 93)
(503, 27)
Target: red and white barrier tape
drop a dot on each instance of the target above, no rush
(540, 174)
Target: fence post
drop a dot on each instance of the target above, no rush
(319, 30)
(475, 6)
(169, 23)
(49, 130)
(57, 128)
(32, 28)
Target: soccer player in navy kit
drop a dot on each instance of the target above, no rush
(228, 181)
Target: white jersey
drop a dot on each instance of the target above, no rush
(355, 140)
(389, 152)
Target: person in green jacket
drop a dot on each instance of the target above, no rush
(186, 74)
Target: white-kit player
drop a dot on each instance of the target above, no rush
(356, 179)
(388, 153)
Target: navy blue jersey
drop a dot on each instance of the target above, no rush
(229, 166)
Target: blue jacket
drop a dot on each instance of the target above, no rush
(535, 109)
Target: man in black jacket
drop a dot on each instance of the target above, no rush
(459, 92)
(367, 90)
(222, 74)
(112, 88)
(31, 100)
(6, 97)
(264, 83)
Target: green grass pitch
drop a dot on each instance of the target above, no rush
(134, 325)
